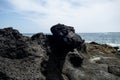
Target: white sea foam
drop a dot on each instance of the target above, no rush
(114, 45)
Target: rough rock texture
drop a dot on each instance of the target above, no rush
(66, 35)
(60, 56)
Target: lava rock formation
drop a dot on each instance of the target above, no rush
(63, 55)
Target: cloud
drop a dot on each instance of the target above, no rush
(84, 15)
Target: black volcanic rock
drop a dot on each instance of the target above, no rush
(12, 43)
(20, 57)
(75, 59)
(61, 30)
(10, 33)
(66, 35)
(61, 56)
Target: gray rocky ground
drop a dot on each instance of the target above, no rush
(60, 56)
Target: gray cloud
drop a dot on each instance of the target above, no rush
(85, 15)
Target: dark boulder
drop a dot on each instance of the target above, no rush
(61, 30)
(66, 35)
(10, 33)
(12, 44)
(63, 41)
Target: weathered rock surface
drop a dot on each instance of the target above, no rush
(66, 35)
(60, 56)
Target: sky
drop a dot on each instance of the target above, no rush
(32, 16)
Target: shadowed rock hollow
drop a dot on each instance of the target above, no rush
(61, 56)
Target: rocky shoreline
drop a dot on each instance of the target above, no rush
(64, 55)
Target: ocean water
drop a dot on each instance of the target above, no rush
(111, 38)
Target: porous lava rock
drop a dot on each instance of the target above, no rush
(62, 55)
